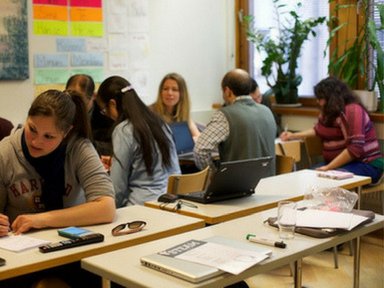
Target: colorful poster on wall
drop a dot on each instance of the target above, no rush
(13, 40)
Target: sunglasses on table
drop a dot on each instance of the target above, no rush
(134, 226)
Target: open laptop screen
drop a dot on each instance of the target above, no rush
(182, 137)
(234, 179)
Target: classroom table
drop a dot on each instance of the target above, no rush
(124, 268)
(159, 225)
(269, 191)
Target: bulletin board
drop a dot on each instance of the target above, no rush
(94, 37)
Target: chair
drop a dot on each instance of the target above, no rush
(373, 194)
(313, 148)
(284, 164)
(289, 148)
(186, 183)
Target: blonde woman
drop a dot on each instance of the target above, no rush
(173, 102)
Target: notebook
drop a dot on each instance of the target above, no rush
(194, 272)
(233, 180)
(183, 138)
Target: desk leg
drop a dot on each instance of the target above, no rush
(105, 283)
(356, 264)
(297, 273)
(358, 190)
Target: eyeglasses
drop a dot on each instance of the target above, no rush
(133, 227)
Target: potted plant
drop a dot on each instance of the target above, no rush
(280, 63)
(349, 60)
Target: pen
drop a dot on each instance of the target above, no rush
(254, 238)
(286, 127)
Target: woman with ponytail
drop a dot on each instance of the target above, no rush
(144, 154)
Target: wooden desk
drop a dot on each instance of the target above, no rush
(268, 192)
(124, 266)
(159, 225)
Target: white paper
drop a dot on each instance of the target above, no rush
(328, 219)
(223, 257)
(18, 243)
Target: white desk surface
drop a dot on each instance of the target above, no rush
(124, 266)
(159, 224)
(268, 192)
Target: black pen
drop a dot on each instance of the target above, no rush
(265, 241)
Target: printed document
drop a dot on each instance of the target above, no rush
(223, 257)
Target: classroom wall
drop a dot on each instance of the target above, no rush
(192, 37)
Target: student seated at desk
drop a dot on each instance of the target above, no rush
(144, 154)
(242, 129)
(173, 103)
(347, 133)
(101, 124)
(50, 173)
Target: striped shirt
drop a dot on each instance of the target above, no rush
(353, 130)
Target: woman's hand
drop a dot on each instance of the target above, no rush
(323, 168)
(285, 136)
(4, 225)
(107, 162)
(25, 222)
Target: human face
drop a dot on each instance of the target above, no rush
(42, 136)
(256, 95)
(170, 94)
(321, 102)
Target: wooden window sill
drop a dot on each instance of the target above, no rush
(313, 111)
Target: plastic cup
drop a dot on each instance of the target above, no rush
(286, 219)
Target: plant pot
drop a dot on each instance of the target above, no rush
(368, 99)
(284, 95)
(380, 106)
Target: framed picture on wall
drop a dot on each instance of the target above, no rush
(13, 40)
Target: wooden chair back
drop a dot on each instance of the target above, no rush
(284, 164)
(186, 183)
(313, 148)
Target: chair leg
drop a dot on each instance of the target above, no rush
(336, 260)
(351, 248)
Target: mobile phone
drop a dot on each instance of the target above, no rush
(2, 261)
(74, 232)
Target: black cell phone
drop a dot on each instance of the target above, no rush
(2, 261)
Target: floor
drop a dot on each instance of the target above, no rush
(318, 270)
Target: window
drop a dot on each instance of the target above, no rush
(374, 13)
(312, 64)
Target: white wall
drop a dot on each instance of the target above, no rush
(192, 37)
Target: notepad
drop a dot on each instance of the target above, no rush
(335, 174)
(18, 243)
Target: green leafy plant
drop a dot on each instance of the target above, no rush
(375, 44)
(349, 60)
(280, 63)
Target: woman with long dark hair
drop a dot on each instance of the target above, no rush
(348, 135)
(144, 154)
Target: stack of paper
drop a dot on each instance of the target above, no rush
(17, 243)
(328, 219)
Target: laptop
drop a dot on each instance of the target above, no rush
(183, 138)
(233, 179)
(194, 272)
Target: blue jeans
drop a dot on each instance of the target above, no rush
(359, 168)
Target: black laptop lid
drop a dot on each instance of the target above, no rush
(182, 137)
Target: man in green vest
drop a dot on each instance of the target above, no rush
(243, 129)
